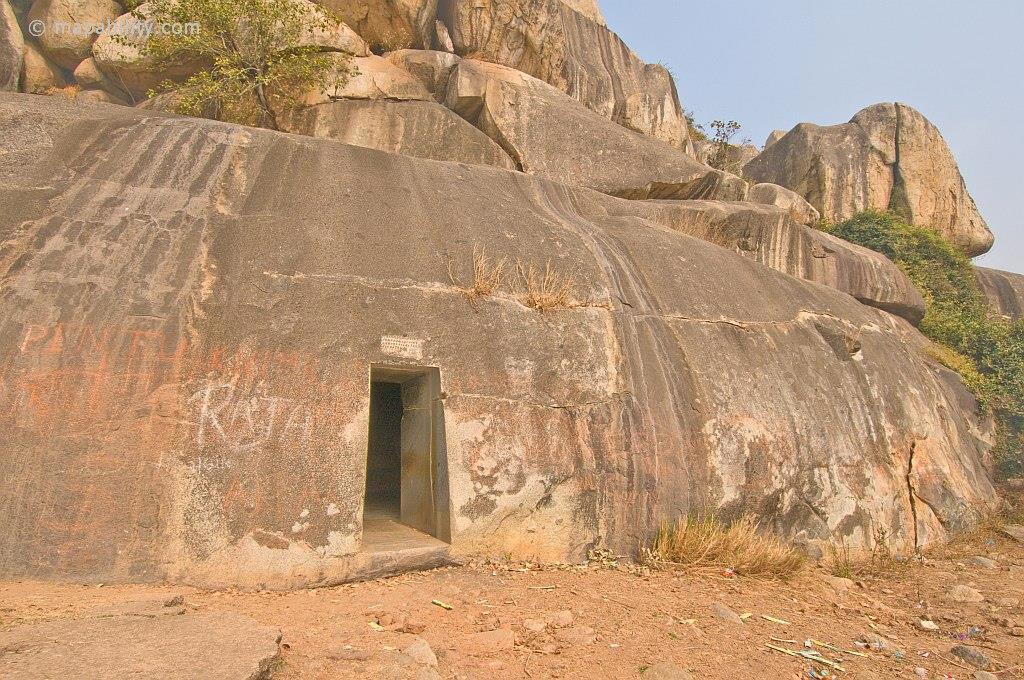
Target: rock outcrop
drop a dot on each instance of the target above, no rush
(554, 42)
(373, 77)
(799, 209)
(65, 38)
(389, 25)
(413, 128)
(887, 157)
(189, 312)
(12, 49)
(39, 75)
(430, 67)
(1004, 291)
(770, 236)
(549, 134)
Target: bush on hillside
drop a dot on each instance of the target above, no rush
(986, 349)
(258, 67)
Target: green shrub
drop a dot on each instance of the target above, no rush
(258, 68)
(985, 349)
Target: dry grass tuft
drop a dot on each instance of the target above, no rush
(69, 91)
(488, 276)
(546, 289)
(880, 561)
(741, 546)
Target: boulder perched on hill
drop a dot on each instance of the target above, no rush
(414, 128)
(552, 135)
(59, 40)
(554, 42)
(371, 77)
(1004, 291)
(887, 157)
(12, 49)
(191, 312)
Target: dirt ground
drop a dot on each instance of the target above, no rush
(623, 621)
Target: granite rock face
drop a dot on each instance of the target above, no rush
(799, 209)
(552, 41)
(190, 311)
(12, 49)
(1004, 290)
(413, 128)
(888, 156)
(389, 25)
(770, 236)
(63, 46)
(551, 135)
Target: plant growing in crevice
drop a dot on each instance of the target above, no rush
(722, 134)
(545, 289)
(488, 275)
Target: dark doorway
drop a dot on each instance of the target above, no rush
(406, 462)
(384, 462)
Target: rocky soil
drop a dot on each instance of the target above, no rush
(931, 618)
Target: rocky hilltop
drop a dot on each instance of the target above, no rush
(195, 313)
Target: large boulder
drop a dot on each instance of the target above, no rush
(389, 25)
(38, 74)
(414, 128)
(190, 312)
(552, 41)
(887, 157)
(12, 49)
(431, 68)
(552, 135)
(1004, 291)
(769, 235)
(69, 27)
(370, 77)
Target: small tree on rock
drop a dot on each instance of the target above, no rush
(257, 66)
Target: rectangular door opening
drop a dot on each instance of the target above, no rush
(406, 501)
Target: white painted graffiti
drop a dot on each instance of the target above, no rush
(248, 419)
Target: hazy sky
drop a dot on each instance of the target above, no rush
(774, 63)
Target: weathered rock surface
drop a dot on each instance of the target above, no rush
(414, 128)
(62, 45)
(768, 235)
(374, 78)
(1004, 290)
(12, 49)
(389, 24)
(554, 42)
(733, 158)
(430, 67)
(793, 203)
(189, 311)
(220, 646)
(775, 136)
(550, 134)
(39, 75)
(887, 156)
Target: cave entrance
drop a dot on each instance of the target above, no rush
(406, 500)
